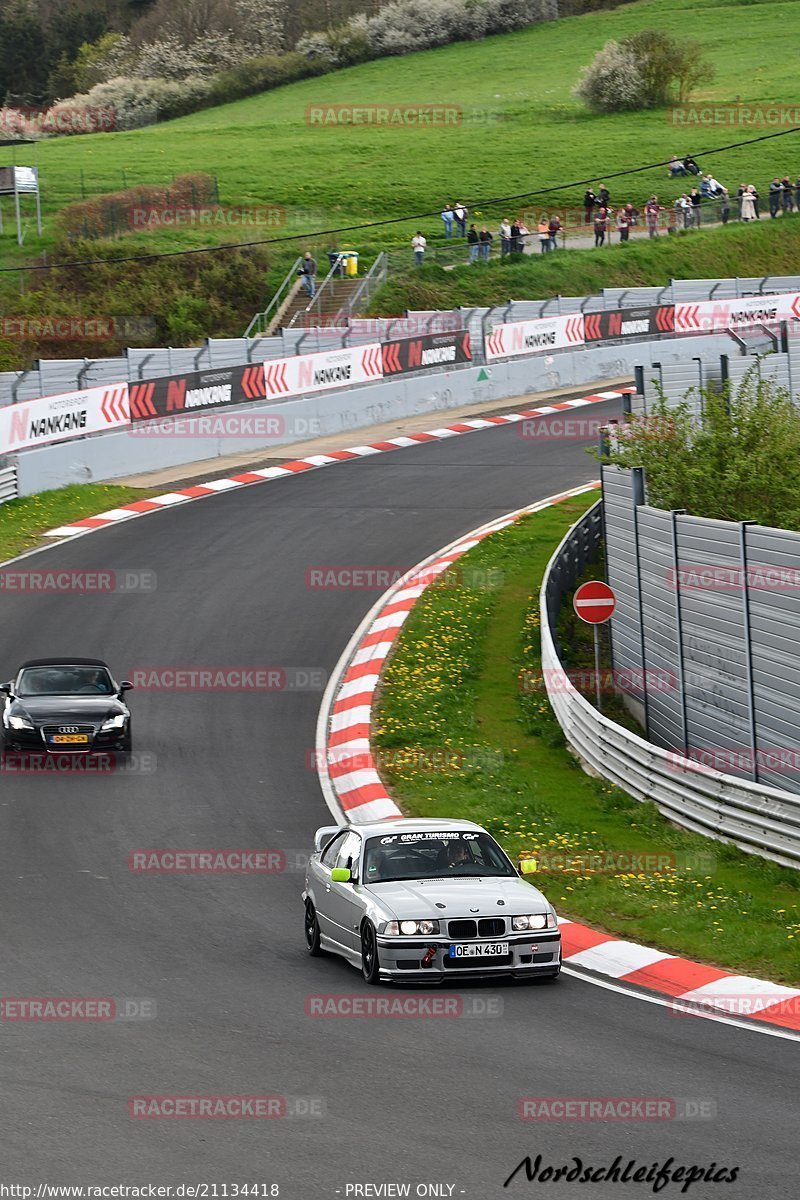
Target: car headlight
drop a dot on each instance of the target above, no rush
(411, 928)
(20, 722)
(117, 722)
(533, 921)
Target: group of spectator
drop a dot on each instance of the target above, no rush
(684, 213)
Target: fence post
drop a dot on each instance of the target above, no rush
(638, 498)
(748, 648)
(675, 513)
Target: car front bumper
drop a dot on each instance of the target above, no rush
(32, 741)
(529, 954)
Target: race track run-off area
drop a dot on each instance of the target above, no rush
(232, 995)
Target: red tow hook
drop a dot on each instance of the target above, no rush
(430, 954)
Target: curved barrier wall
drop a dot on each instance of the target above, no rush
(759, 819)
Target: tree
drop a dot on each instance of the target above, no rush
(740, 462)
(646, 70)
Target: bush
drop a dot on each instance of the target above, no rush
(112, 213)
(646, 70)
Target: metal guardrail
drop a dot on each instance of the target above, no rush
(758, 819)
(8, 484)
(261, 321)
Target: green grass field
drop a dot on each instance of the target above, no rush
(22, 522)
(461, 738)
(521, 131)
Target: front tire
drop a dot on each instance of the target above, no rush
(370, 967)
(312, 931)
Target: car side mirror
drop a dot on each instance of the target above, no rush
(340, 875)
(528, 866)
(125, 687)
(5, 688)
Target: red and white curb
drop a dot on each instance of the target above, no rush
(355, 793)
(141, 508)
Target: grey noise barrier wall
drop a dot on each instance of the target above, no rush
(127, 452)
(755, 816)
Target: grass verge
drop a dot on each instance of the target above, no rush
(22, 522)
(458, 738)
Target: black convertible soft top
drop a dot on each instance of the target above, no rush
(64, 662)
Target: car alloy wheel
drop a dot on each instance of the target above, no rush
(312, 931)
(369, 954)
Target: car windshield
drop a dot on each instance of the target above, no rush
(65, 681)
(441, 855)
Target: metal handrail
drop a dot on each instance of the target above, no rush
(314, 302)
(262, 319)
(379, 268)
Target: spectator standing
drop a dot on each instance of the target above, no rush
(554, 225)
(419, 246)
(544, 235)
(448, 217)
(756, 199)
(589, 201)
(474, 243)
(724, 206)
(505, 237)
(516, 241)
(749, 204)
(696, 201)
(600, 219)
(309, 272)
(786, 194)
(523, 234)
(775, 192)
(604, 196)
(740, 191)
(651, 211)
(486, 240)
(461, 212)
(623, 224)
(683, 211)
(797, 194)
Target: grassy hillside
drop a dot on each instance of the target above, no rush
(521, 130)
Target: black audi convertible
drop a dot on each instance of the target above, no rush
(65, 705)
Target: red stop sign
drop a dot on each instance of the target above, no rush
(594, 602)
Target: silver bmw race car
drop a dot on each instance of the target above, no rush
(426, 899)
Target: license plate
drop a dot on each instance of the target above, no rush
(69, 739)
(478, 949)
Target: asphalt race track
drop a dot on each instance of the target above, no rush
(430, 1101)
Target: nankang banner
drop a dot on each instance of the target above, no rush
(196, 391)
(422, 353)
(614, 323)
(534, 337)
(712, 315)
(305, 373)
(59, 418)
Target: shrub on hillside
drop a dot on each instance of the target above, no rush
(114, 212)
(137, 102)
(646, 70)
(406, 26)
